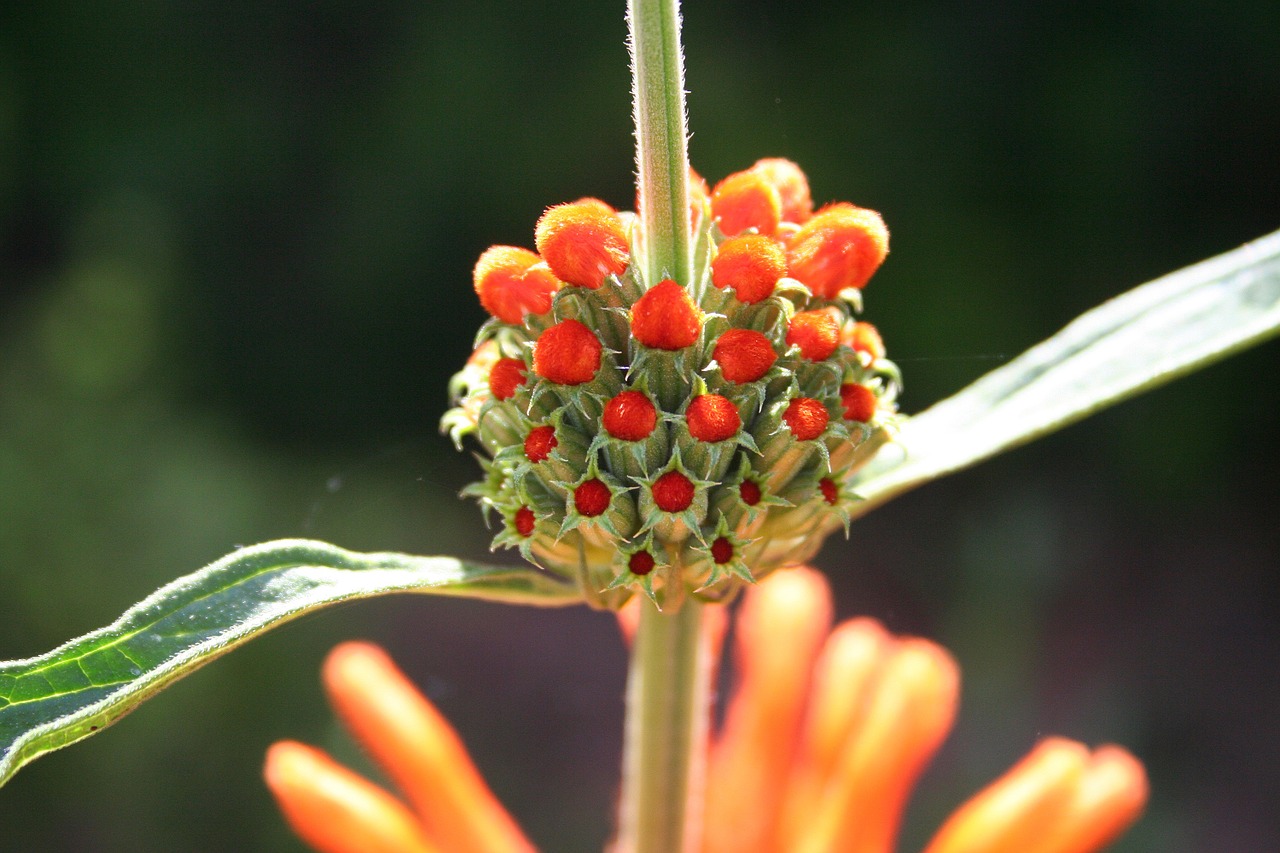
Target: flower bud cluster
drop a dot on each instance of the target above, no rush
(678, 437)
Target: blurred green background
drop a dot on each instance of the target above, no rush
(235, 252)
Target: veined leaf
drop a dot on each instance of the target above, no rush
(79, 688)
(1138, 340)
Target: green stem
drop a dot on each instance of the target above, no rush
(668, 686)
(662, 149)
(668, 689)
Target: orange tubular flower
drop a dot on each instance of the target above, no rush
(824, 737)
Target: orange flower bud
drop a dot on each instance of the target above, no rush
(806, 418)
(524, 521)
(859, 402)
(751, 265)
(746, 200)
(592, 498)
(630, 416)
(830, 491)
(791, 184)
(539, 443)
(583, 242)
(568, 353)
(512, 282)
(863, 337)
(840, 246)
(665, 317)
(815, 332)
(673, 492)
(506, 376)
(641, 563)
(744, 355)
(712, 418)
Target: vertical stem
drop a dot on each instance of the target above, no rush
(662, 149)
(668, 687)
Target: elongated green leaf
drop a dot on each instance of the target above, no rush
(58, 698)
(1134, 342)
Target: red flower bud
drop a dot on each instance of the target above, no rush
(712, 418)
(524, 521)
(840, 246)
(791, 184)
(592, 498)
(806, 417)
(749, 491)
(641, 563)
(830, 491)
(512, 282)
(583, 242)
(665, 317)
(746, 200)
(722, 550)
(539, 443)
(744, 355)
(859, 402)
(751, 265)
(507, 375)
(863, 337)
(568, 353)
(673, 492)
(630, 416)
(815, 332)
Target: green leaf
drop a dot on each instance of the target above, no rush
(1139, 340)
(58, 698)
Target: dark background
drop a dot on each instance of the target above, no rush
(235, 251)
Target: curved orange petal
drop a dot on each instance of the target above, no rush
(420, 751)
(1108, 800)
(780, 628)
(842, 681)
(907, 713)
(336, 811)
(1019, 812)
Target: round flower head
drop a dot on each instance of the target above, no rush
(678, 438)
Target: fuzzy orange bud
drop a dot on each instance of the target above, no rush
(815, 332)
(792, 186)
(512, 282)
(583, 242)
(592, 498)
(806, 418)
(859, 402)
(712, 417)
(665, 317)
(746, 200)
(507, 375)
(568, 353)
(863, 337)
(673, 492)
(751, 264)
(840, 246)
(744, 355)
(630, 416)
(524, 521)
(539, 443)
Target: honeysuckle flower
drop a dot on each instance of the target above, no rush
(626, 422)
(825, 734)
